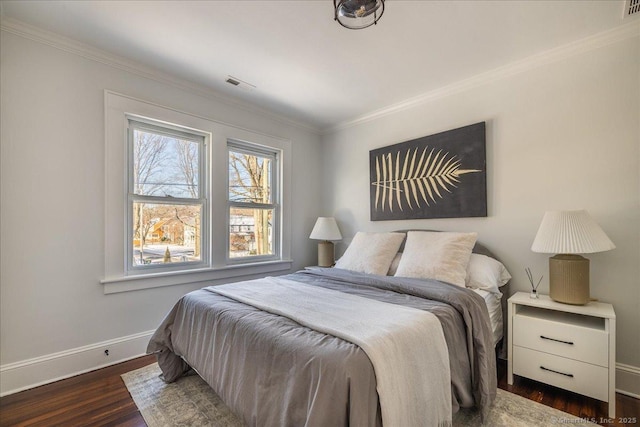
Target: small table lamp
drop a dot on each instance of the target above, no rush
(567, 234)
(325, 229)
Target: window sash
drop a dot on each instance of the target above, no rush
(274, 182)
(169, 224)
(171, 131)
(237, 230)
(258, 151)
(147, 125)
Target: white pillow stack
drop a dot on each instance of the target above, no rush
(371, 253)
(486, 273)
(442, 256)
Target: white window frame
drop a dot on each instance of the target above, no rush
(116, 278)
(274, 155)
(200, 137)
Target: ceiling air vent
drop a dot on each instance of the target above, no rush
(631, 8)
(239, 83)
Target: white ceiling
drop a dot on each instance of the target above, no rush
(307, 67)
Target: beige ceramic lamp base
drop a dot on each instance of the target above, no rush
(326, 255)
(569, 279)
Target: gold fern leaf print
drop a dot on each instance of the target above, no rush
(415, 177)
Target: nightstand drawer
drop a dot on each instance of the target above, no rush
(583, 378)
(563, 334)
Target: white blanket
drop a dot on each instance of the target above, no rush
(406, 346)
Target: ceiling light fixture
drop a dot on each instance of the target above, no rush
(358, 14)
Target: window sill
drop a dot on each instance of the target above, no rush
(113, 285)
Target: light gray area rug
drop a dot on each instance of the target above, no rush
(191, 402)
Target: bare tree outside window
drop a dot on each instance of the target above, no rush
(167, 202)
(187, 160)
(252, 205)
(167, 207)
(148, 156)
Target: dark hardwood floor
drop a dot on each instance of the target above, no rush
(100, 398)
(627, 408)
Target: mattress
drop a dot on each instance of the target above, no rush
(273, 371)
(494, 307)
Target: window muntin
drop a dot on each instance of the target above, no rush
(166, 209)
(253, 215)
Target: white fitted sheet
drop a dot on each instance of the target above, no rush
(495, 312)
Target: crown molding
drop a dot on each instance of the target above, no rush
(86, 51)
(568, 50)
(57, 41)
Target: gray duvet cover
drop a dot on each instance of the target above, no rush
(272, 371)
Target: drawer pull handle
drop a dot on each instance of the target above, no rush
(556, 372)
(553, 339)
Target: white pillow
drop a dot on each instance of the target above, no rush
(371, 253)
(486, 273)
(437, 255)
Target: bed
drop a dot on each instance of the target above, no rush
(275, 368)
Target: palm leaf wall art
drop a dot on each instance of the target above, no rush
(406, 180)
(437, 176)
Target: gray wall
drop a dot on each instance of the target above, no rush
(52, 200)
(561, 134)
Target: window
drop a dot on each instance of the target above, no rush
(253, 208)
(166, 209)
(170, 217)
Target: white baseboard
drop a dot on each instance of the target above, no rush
(628, 380)
(19, 376)
(26, 374)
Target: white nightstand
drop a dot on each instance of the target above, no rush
(568, 346)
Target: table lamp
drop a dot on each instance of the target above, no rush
(326, 229)
(567, 234)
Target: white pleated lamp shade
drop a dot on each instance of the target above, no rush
(570, 232)
(326, 228)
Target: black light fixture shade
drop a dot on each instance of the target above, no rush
(358, 14)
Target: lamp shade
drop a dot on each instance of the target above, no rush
(570, 232)
(326, 228)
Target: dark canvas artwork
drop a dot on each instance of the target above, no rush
(436, 176)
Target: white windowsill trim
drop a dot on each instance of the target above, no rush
(138, 282)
